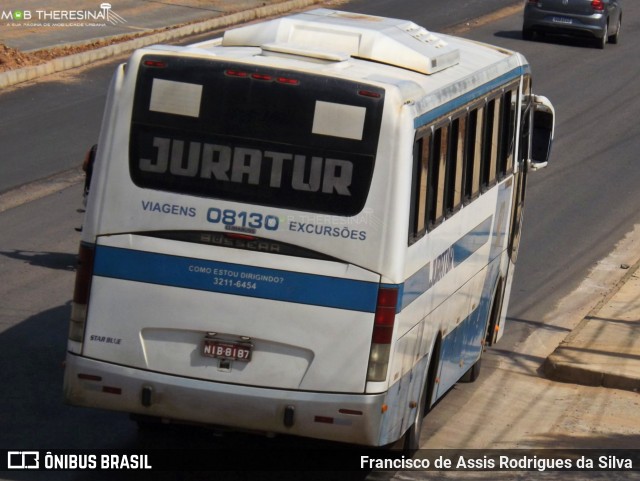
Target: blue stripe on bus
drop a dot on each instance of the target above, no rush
(464, 99)
(237, 279)
(276, 284)
(426, 277)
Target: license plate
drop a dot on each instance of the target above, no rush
(232, 351)
(563, 20)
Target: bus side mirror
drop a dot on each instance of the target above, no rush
(542, 134)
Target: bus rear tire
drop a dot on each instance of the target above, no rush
(412, 436)
(473, 373)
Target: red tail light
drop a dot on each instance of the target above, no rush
(83, 274)
(384, 319)
(598, 5)
(81, 292)
(385, 315)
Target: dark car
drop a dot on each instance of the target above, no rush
(596, 19)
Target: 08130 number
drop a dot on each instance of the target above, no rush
(252, 220)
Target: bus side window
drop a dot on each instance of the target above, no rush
(436, 180)
(455, 166)
(418, 214)
(490, 153)
(457, 160)
(473, 154)
(507, 133)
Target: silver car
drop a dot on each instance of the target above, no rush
(596, 19)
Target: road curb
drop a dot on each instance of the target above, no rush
(13, 77)
(564, 365)
(463, 27)
(40, 188)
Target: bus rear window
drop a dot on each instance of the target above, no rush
(253, 134)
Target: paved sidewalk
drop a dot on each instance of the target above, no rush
(604, 349)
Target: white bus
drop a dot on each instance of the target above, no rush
(307, 226)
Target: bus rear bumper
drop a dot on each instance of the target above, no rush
(351, 418)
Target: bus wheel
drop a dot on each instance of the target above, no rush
(473, 373)
(496, 308)
(412, 436)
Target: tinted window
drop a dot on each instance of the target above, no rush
(461, 157)
(253, 134)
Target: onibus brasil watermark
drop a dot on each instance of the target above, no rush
(55, 461)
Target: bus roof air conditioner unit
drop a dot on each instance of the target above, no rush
(395, 42)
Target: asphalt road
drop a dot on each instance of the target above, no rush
(72, 102)
(578, 209)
